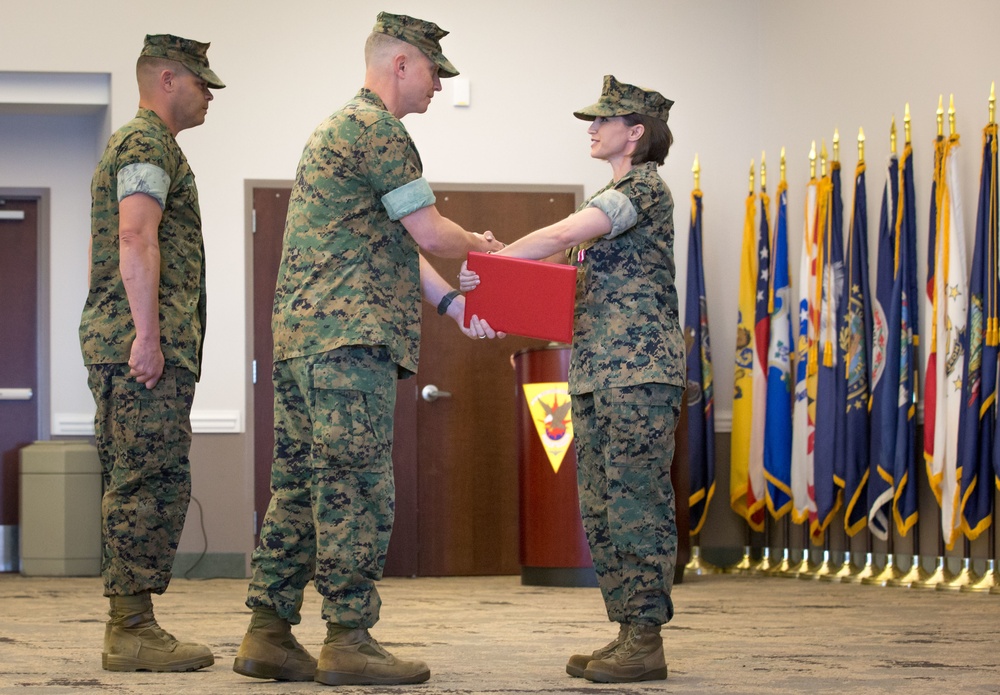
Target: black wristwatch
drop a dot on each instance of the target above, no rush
(446, 301)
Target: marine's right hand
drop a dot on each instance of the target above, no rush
(146, 362)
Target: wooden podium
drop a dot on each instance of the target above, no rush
(553, 546)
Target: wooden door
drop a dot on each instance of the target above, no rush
(455, 458)
(467, 448)
(270, 206)
(18, 359)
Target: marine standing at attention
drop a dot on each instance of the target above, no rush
(141, 333)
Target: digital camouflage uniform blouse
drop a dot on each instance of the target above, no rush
(350, 272)
(626, 328)
(106, 328)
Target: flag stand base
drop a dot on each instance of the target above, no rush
(989, 581)
(846, 570)
(941, 575)
(889, 573)
(863, 573)
(783, 568)
(805, 568)
(744, 565)
(697, 566)
(914, 575)
(824, 569)
(963, 578)
(765, 566)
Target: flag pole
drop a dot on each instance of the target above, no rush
(890, 571)
(941, 572)
(826, 568)
(846, 567)
(747, 561)
(868, 571)
(697, 566)
(990, 580)
(765, 565)
(992, 576)
(784, 567)
(813, 571)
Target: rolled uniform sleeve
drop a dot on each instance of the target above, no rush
(408, 198)
(142, 177)
(619, 209)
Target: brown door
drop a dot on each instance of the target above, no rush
(18, 358)
(270, 205)
(467, 448)
(455, 457)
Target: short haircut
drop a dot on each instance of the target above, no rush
(379, 46)
(654, 145)
(154, 65)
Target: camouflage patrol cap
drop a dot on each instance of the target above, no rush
(424, 35)
(191, 54)
(620, 99)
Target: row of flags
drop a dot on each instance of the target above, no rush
(825, 399)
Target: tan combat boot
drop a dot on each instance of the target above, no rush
(353, 657)
(639, 657)
(270, 650)
(578, 662)
(134, 642)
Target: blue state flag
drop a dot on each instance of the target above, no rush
(778, 426)
(905, 461)
(855, 337)
(700, 400)
(977, 420)
(884, 385)
(830, 396)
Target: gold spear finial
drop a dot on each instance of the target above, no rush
(763, 173)
(697, 172)
(836, 145)
(993, 102)
(782, 165)
(906, 123)
(861, 145)
(940, 117)
(812, 161)
(822, 158)
(892, 136)
(951, 116)
(751, 177)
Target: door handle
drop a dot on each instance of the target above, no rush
(15, 394)
(430, 393)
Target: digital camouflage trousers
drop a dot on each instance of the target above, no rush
(624, 439)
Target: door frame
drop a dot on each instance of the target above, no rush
(406, 564)
(42, 334)
(248, 274)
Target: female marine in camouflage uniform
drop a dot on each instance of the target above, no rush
(626, 375)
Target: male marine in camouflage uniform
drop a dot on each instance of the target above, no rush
(346, 325)
(626, 375)
(141, 334)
